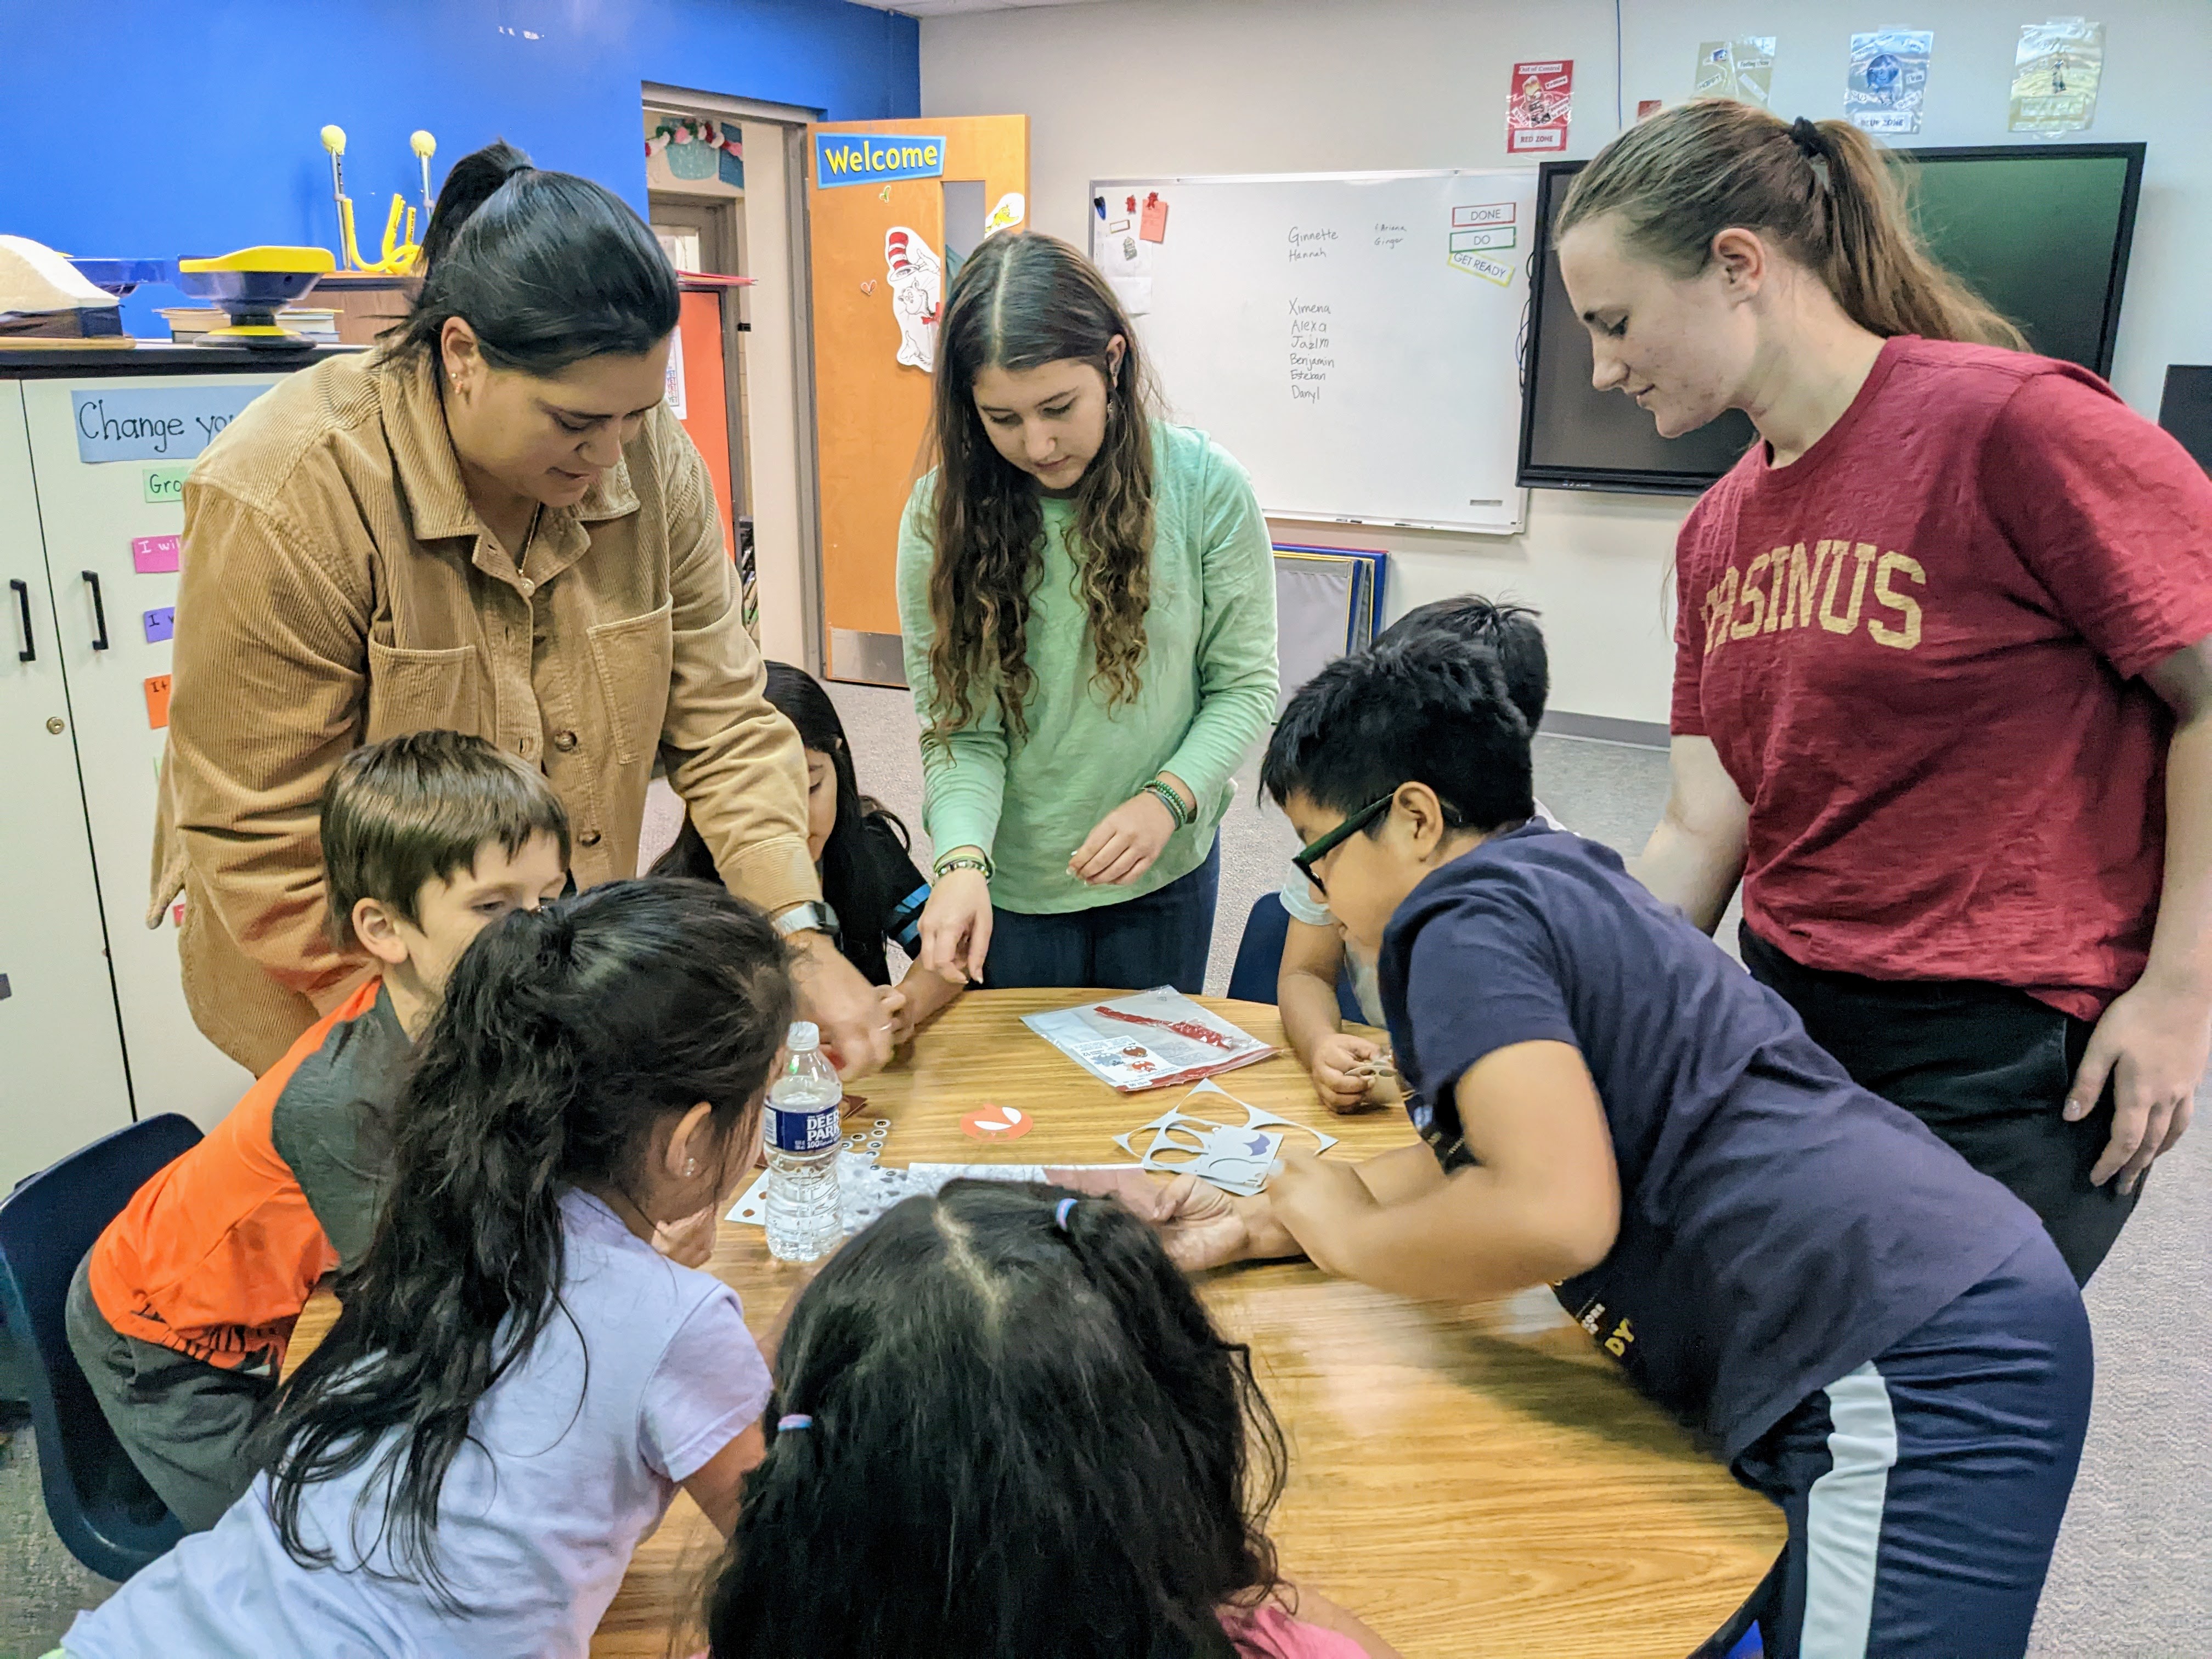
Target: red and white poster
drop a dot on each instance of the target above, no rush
(1538, 102)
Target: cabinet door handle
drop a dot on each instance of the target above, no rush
(30, 650)
(98, 609)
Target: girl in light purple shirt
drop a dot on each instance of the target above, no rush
(519, 1382)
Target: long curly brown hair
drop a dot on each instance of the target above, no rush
(1021, 301)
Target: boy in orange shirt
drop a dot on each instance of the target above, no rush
(180, 1313)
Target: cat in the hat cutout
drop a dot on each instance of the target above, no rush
(917, 280)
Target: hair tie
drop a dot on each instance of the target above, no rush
(1060, 1212)
(1808, 139)
(796, 1420)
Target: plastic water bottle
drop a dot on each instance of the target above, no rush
(804, 1135)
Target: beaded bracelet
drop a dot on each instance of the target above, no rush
(1182, 815)
(976, 862)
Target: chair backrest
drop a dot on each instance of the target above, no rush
(100, 1505)
(1259, 959)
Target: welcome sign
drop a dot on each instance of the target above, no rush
(873, 158)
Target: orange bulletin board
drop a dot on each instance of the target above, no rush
(706, 407)
(872, 411)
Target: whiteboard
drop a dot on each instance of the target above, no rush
(1350, 337)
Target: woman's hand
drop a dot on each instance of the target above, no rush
(2151, 1044)
(1345, 1073)
(844, 1005)
(1124, 843)
(955, 925)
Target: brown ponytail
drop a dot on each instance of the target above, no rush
(1823, 192)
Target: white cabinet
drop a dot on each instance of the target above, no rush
(95, 1030)
(61, 1080)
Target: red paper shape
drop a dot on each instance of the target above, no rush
(996, 1123)
(1154, 228)
(1539, 99)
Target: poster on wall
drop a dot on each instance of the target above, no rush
(1741, 69)
(2055, 76)
(1539, 101)
(1888, 79)
(916, 287)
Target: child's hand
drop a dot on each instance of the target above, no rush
(1203, 1227)
(1343, 1088)
(895, 1013)
(689, 1243)
(1124, 843)
(1319, 1204)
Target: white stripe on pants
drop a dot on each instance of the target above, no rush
(1843, 1521)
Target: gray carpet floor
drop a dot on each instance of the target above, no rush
(2132, 1579)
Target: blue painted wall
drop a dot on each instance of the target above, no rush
(154, 128)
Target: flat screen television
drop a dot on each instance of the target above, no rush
(2039, 231)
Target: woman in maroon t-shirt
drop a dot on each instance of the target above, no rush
(1943, 691)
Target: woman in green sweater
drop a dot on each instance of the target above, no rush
(1088, 599)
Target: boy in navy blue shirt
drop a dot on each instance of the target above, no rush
(1883, 1340)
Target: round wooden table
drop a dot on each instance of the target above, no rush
(1472, 1481)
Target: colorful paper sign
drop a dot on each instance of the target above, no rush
(161, 624)
(1888, 79)
(1490, 269)
(917, 279)
(870, 158)
(2055, 76)
(166, 483)
(157, 701)
(1486, 213)
(156, 423)
(1489, 236)
(1539, 101)
(156, 555)
(1153, 226)
(1741, 69)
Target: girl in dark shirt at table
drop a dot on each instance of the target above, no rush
(1003, 1425)
(868, 875)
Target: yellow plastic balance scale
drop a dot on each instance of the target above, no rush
(253, 285)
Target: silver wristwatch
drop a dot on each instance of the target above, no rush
(814, 916)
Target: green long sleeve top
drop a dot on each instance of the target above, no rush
(1207, 691)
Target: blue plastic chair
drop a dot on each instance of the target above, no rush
(100, 1505)
(1259, 959)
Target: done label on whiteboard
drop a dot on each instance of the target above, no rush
(1486, 213)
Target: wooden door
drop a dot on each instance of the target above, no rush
(877, 222)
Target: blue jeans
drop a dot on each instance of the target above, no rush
(1162, 939)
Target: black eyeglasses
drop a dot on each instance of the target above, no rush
(1313, 852)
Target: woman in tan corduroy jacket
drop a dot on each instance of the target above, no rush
(492, 523)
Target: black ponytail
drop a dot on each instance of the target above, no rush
(1023, 1435)
(546, 268)
(566, 1034)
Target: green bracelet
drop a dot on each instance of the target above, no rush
(1183, 818)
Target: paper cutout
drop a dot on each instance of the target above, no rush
(671, 383)
(177, 913)
(1482, 213)
(1647, 107)
(156, 555)
(166, 483)
(1234, 1156)
(1135, 293)
(1538, 103)
(1888, 79)
(868, 287)
(1494, 237)
(996, 1123)
(916, 279)
(1483, 265)
(157, 701)
(885, 194)
(1154, 227)
(2055, 76)
(1010, 210)
(1741, 69)
(161, 624)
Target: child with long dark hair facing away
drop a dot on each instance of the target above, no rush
(869, 882)
(1087, 596)
(518, 1384)
(1004, 1425)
